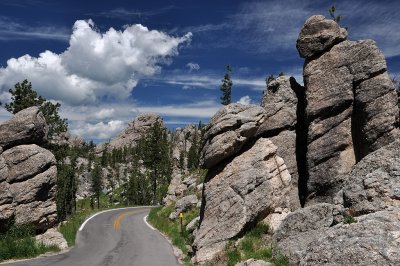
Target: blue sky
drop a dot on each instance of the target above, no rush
(107, 61)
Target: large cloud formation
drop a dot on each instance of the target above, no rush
(95, 65)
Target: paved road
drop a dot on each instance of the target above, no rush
(118, 237)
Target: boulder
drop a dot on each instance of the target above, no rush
(318, 35)
(52, 237)
(373, 184)
(26, 161)
(238, 194)
(228, 131)
(26, 127)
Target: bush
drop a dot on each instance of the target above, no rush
(18, 242)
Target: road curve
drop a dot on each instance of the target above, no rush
(119, 237)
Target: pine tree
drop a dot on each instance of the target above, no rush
(96, 183)
(226, 87)
(23, 96)
(156, 158)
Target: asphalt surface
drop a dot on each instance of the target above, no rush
(117, 237)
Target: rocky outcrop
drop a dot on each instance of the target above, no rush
(238, 193)
(135, 130)
(308, 237)
(27, 172)
(66, 138)
(254, 262)
(228, 131)
(351, 103)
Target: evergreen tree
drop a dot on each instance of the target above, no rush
(226, 87)
(23, 96)
(96, 183)
(193, 154)
(156, 158)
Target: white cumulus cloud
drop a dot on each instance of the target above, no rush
(95, 65)
(99, 130)
(193, 66)
(246, 100)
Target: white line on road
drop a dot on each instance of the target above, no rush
(149, 225)
(94, 215)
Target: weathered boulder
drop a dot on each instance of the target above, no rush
(29, 187)
(26, 161)
(374, 183)
(228, 131)
(351, 111)
(25, 127)
(52, 237)
(284, 104)
(318, 35)
(239, 193)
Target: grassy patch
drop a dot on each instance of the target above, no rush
(18, 242)
(251, 246)
(158, 217)
(349, 219)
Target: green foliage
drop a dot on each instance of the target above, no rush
(96, 183)
(332, 11)
(226, 87)
(23, 96)
(66, 190)
(349, 219)
(156, 156)
(269, 79)
(18, 242)
(158, 217)
(194, 151)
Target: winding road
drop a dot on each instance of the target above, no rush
(117, 237)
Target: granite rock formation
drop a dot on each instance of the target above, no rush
(27, 172)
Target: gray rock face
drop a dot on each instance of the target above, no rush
(229, 130)
(351, 111)
(372, 240)
(253, 184)
(318, 35)
(66, 138)
(134, 131)
(26, 127)
(370, 192)
(27, 172)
